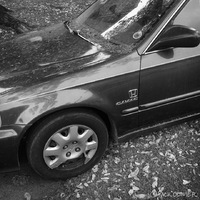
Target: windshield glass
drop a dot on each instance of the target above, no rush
(125, 21)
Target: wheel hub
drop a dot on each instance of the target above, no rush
(70, 143)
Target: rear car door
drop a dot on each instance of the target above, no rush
(170, 78)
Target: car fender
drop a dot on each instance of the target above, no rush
(29, 111)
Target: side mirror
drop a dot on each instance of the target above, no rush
(177, 36)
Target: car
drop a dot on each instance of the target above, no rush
(119, 70)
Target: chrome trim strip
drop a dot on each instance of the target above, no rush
(157, 51)
(130, 110)
(163, 27)
(168, 100)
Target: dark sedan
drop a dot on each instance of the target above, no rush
(120, 69)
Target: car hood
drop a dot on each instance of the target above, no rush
(40, 56)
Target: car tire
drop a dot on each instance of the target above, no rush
(67, 144)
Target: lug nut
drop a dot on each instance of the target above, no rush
(77, 149)
(65, 147)
(74, 142)
(68, 154)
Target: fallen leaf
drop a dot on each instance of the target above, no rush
(154, 193)
(118, 174)
(104, 178)
(96, 193)
(161, 189)
(86, 185)
(137, 163)
(170, 156)
(130, 192)
(185, 182)
(140, 196)
(161, 153)
(135, 188)
(146, 145)
(155, 182)
(95, 168)
(78, 195)
(116, 160)
(125, 145)
(114, 187)
(105, 166)
(146, 168)
(145, 152)
(158, 140)
(67, 197)
(134, 174)
(27, 196)
(80, 186)
(93, 177)
(104, 171)
(62, 195)
(197, 133)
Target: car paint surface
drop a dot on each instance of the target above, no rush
(42, 55)
(48, 81)
(43, 72)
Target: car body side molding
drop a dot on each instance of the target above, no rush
(168, 100)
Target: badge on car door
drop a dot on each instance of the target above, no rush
(133, 96)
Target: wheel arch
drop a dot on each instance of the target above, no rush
(109, 122)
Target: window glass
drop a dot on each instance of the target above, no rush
(127, 21)
(189, 16)
(110, 13)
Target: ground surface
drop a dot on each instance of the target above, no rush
(162, 165)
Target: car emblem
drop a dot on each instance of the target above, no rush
(133, 96)
(133, 93)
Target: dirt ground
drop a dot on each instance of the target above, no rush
(162, 165)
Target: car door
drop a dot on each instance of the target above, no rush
(170, 78)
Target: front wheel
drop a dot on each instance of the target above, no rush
(67, 144)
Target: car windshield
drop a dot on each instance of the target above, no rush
(124, 21)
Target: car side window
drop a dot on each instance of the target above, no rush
(189, 16)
